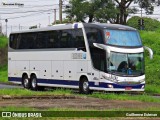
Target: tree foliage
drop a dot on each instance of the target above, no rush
(66, 20)
(149, 23)
(114, 11)
(94, 10)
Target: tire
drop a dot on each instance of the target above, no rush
(84, 86)
(34, 85)
(26, 82)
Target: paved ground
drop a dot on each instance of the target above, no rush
(2, 86)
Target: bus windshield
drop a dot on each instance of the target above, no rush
(126, 64)
(122, 38)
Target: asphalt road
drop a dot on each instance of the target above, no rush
(2, 86)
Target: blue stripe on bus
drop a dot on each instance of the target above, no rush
(60, 82)
(76, 83)
(14, 79)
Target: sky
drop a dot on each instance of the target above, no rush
(38, 12)
(34, 12)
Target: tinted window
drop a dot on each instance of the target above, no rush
(41, 40)
(94, 36)
(52, 39)
(122, 38)
(13, 41)
(98, 58)
(26, 41)
(48, 39)
(66, 37)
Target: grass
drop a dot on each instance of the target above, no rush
(3, 74)
(3, 41)
(112, 96)
(25, 92)
(152, 88)
(152, 40)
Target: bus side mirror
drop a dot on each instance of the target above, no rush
(104, 47)
(150, 51)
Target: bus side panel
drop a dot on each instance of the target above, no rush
(57, 70)
(82, 66)
(70, 70)
(11, 68)
(16, 70)
(41, 67)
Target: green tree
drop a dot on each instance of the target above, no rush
(124, 10)
(115, 11)
(76, 10)
(149, 23)
(66, 20)
(99, 10)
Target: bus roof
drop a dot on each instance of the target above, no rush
(71, 26)
(109, 26)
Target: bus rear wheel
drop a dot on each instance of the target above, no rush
(26, 82)
(34, 85)
(84, 86)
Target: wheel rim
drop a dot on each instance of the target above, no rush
(85, 86)
(26, 82)
(34, 83)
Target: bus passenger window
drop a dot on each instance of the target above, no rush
(91, 38)
(94, 36)
(41, 40)
(13, 41)
(79, 40)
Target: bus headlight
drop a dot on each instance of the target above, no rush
(110, 86)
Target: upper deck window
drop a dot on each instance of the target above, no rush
(68, 38)
(122, 38)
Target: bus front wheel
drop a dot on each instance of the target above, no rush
(84, 86)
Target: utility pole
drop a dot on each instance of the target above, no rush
(54, 16)
(141, 20)
(60, 11)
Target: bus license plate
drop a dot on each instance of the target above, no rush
(128, 88)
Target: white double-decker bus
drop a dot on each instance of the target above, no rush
(85, 56)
